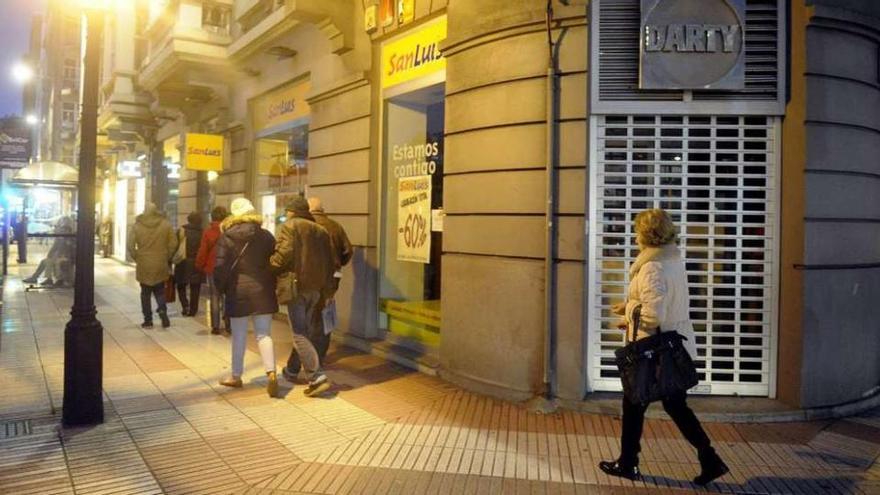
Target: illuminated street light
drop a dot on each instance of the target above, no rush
(31, 119)
(22, 73)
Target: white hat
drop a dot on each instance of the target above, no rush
(241, 206)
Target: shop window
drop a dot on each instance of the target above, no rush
(68, 114)
(282, 170)
(215, 18)
(412, 229)
(71, 73)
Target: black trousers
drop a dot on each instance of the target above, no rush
(676, 407)
(157, 291)
(191, 304)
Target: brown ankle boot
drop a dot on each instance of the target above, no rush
(272, 386)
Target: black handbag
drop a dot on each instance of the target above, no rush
(655, 367)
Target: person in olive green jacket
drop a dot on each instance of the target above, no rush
(343, 251)
(151, 244)
(304, 263)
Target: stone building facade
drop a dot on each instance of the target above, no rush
(531, 144)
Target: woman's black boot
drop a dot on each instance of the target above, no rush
(616, 468)
(712, 468)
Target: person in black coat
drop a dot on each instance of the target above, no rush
(185, 273)
(243, 274)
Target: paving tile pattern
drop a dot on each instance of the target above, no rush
(170, 428)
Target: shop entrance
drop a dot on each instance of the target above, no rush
(410, 267)
(717, 177)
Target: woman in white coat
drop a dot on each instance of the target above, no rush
(658, 285)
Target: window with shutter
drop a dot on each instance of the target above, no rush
(710, 158)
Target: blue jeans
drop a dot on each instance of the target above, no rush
(262, 330)
(301, 313)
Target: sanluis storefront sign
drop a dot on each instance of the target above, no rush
(15, 145)
(414, 55)
(204, 152)
(692, 44)
(281, 106)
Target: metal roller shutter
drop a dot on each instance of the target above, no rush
(717, 176)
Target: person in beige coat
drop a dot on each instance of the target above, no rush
(151, 244)
(658, 286)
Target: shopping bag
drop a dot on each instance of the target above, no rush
(170, 290)
(656, 367)
(329, 316)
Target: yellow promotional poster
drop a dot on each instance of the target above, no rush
(415, 55)
(386, 12)
(414, 219)
(406, 11)
(204, 152)
(281, 106)
(272, 157)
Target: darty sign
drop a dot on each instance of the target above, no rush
(415, 55)
(692, 44)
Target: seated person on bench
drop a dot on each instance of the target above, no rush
(59, 257)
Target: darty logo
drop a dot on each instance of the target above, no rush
(203, 151)
(281, 108)
(419, 55)
(696, 38)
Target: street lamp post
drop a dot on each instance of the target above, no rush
(83, 335)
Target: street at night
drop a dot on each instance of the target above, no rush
(439, 247)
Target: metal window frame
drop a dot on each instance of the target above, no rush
(772, 273)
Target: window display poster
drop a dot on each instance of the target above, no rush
(406, 11)
(387, 12)
(414, 219)
(272, 157)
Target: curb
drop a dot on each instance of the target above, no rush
(839, 411)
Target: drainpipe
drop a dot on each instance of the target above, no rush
(549, 385)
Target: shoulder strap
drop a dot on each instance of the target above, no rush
(240, 254)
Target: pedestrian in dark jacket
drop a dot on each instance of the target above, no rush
(305, 263)
(243, 273)
(205, 259)
(186, 276)
(151, 243)
(343, 251)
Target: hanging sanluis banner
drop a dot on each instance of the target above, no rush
(204, 152)
(415, 55)
(414, 219)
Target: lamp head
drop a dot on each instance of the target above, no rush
(22, 73)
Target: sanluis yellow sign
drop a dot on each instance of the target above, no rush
(281, 106)
(204, 152)
(414, 55)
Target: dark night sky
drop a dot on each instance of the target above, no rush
(14, 35)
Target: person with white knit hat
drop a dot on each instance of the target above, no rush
(243, 273)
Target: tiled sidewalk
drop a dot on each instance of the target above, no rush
(171, 429)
